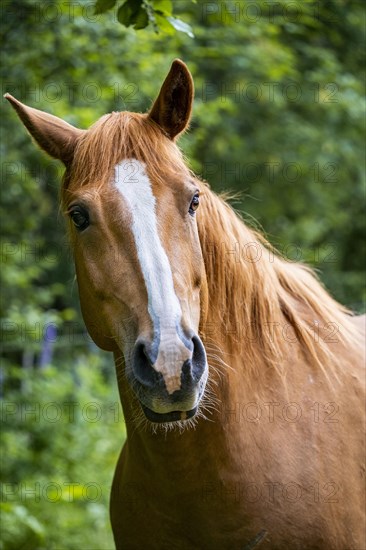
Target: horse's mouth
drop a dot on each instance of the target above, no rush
(173, 416)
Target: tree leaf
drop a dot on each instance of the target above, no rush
(181, 26)
(162, 24)
(164, 7)
(128, 12)
(102, 6)
(141, 20)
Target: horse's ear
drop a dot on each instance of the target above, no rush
(55, 136)
(172, 108)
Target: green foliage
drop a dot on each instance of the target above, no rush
(61, 438)
(277, 118)
(141, 13)
(102, 6)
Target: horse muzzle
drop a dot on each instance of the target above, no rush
(170, 382)
(173, 416)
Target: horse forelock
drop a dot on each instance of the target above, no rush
(118, 136)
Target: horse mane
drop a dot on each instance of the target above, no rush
(263, 301)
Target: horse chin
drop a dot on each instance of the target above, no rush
(172, 416)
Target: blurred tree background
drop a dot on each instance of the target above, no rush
(278, 117)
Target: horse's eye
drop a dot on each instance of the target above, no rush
(80, 217)
(194, 204)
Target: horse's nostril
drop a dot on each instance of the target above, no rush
(143, 365)
(146, 354)
(152, 374)
(198, 358)
(186, 375)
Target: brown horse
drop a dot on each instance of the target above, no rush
(241, 379)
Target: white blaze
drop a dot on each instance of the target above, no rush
(164, 308)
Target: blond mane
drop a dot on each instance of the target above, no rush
(263, 301)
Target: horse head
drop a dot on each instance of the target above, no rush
(131, 205)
